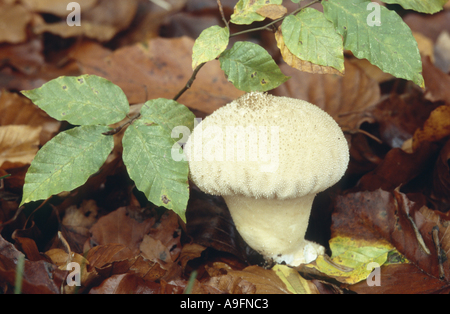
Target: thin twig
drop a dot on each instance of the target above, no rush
(120, 127)
(189, 83)
(219, 3)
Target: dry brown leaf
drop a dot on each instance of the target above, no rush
(250, 280)
(101, 22)
(189, 252)
(299, 64)
(388, 175)
(76, 224)
(91, 30)
(61, 259)
(158, 68)
(13, 22)
(437, 83)
(56, 7)
(272, 11)
(18, 143)
(393, 216)
(16, 109)
(126, 284)
(425, 45)
(27, 57)
(435, 128)
(346, 98)
(38, 276)
(118, 227)
(440, 191)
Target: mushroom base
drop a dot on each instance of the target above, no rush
(275, 228)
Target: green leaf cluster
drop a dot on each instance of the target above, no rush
(368, 30)
(71, 157)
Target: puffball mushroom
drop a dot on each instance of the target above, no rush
(268, 157)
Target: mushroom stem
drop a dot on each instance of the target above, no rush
(275, 228)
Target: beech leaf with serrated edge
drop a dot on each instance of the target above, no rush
(389, 44)
(311, 37)
(250, 68)
(148, 148)
(66, 162)
(82, 100)
(209, 45)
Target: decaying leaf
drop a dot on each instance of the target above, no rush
(435, 128)
(392, 216)
(299, 64)
(118, 227)
(17, 109)
(13, 22)
(345, 98)
(250, 280)
(18, 143)
(272, 11)
(350, 258)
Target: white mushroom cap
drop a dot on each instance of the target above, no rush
(268, 157)
(312, 151)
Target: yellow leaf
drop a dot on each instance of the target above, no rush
(351, 259)
(292, 279)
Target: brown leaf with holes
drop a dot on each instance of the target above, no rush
(118, 227)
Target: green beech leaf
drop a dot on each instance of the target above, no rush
(66, 162)
(167, 113)
(82, 100)
(390, 46)
(428, 6)
(250, 68)
(311, 37)
(209, 45)
(245, 11)
(148, 149)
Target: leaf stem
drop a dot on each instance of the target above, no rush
(219, 3)
(189, 83)
(120, 127)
